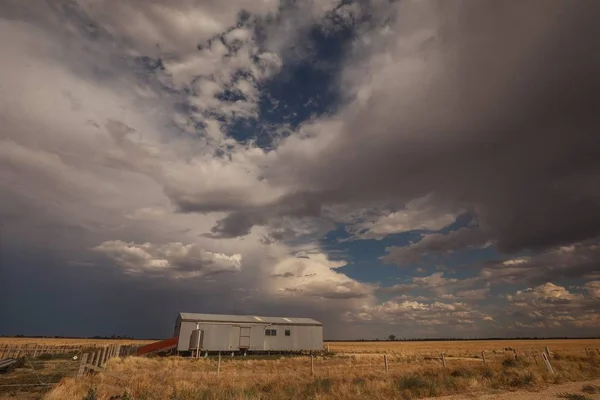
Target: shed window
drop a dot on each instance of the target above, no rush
(288, 332)
(270, 332)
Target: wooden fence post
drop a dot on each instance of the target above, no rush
(91, 357)
(105, 359)
(547, 361)
(385, 361)
(99, 358)
(102, 355)
(483, 357)
(219, 365)
(312, 364)
(444, 360)
(84, 359)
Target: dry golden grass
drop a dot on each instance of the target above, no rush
(13, 341)
(412, 374)
(466, 348)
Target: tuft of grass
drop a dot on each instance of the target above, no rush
(590, 389)
(487, 373)
(509, 362)
(462, 373)
(574, 396)
(359, 381)
(412, 382)
(522, 380)
(91, 394)
(320, 385)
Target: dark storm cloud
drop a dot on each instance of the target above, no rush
(487, 108)
(578, 260)
(501, 117)
(436, 244)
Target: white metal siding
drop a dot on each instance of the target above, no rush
(226, 337)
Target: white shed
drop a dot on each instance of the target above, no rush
(218, 332)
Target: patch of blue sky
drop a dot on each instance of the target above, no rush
(305, 88)
(363, 256)
(365, 264)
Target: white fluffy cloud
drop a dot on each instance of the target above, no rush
(553, 306)
(419, 214)
(175, 260)
(421, 314)
(314, 275)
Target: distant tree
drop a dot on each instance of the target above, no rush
(392, 337)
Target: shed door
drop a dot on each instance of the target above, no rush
(244, 337)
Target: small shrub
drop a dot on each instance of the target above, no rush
(124, 396)
(461, 373)
(251, 393)
(267, 388)
(411, 382)
(359, 381)
(320, 385)
(574, 396)
(590, 389)
(91, 395)
(509, 362)
(524, 380)
(487, 373)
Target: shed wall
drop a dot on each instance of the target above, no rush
(226, 337)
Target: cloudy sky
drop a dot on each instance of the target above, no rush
(416, 168)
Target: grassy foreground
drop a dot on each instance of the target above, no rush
(176, 378)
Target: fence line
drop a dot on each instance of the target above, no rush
(94, 358)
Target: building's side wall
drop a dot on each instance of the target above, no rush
(219, 337)
(185, 332)
(301, 338)
(225, 337)
(177, 326)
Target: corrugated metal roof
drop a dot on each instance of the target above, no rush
(248, 319)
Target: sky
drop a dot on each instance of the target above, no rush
(414, 168)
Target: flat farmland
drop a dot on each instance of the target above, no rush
(352, 370)
(51, 342)
(465, 348)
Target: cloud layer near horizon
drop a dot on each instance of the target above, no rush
(145, 146)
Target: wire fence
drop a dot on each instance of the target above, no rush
(43, 366)
(33, 367)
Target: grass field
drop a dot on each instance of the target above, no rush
(69, 342)
(355, 370)
(465, 347)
